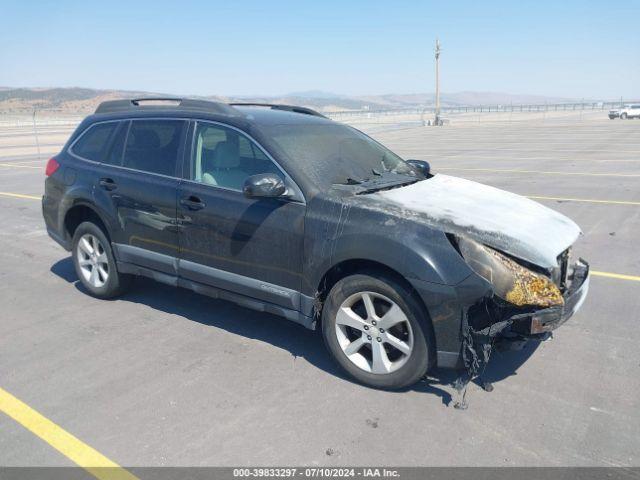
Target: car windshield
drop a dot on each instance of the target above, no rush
(337, 154)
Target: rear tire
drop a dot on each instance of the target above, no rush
(376, 331)
(95, 263)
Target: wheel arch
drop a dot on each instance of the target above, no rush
(81, 211)
(364, 266)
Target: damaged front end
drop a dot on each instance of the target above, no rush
(531, 300)
(525, 301)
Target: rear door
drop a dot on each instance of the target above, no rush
(138, 182)
(244, 245)
(92, 147)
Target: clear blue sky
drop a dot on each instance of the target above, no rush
(574, 49)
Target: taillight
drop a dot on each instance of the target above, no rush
(52, 166)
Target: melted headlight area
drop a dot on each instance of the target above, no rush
(511, 281)
(529, 288)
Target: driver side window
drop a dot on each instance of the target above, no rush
(225, 158)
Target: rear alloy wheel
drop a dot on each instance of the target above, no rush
(377, 331)
(95, 264)
(93, 261)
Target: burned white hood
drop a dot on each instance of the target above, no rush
(502, 220)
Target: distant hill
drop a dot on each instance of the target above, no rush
(85, 100)
(62, 100)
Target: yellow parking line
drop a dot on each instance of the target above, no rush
(17, 165)
(617, 276)
(542, 172)
(588, 200)
(20, 195)
(82, 454)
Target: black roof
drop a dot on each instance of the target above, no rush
(159, 103)
(252, 111)
(275, 116)
(275, 106)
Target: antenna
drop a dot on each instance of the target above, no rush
(437, 113)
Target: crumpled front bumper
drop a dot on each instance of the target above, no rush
(548, 319)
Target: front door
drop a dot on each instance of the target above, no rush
(244, 245)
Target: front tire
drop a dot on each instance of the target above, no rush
(376, 331)
(95, 263)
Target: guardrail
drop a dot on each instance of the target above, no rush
(486, 108)
(53, 118)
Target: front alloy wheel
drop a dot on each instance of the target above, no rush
(374, 332)
(377, 330)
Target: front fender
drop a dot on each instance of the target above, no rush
(335, 233)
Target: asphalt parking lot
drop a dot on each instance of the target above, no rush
(166, 377)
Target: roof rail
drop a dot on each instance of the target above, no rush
(275, 106)
(157, 103)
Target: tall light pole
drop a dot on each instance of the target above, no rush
(437, 119)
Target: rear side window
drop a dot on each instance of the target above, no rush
(93, 144)
(153, 145)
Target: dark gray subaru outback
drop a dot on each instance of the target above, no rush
(282, 210)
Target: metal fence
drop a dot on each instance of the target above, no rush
(494, 108)
(40, 132)
(51, 118)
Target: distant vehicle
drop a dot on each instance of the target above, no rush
(628, 111)
(280, 209)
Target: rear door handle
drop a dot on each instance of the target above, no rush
(108, 184)
(192, 203)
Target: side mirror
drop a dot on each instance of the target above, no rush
(422, 166)
(264, 185)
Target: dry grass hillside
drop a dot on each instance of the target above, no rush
(68, 101)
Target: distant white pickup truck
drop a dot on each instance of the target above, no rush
(628, 111)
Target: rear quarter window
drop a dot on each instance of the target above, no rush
(93, 143)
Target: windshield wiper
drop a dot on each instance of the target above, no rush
(354, 181)
(387, 186)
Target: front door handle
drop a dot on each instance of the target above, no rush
(192, 203)
(108, 184)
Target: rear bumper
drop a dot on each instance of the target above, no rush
(548, 319)
(59, 239)
(49, 213)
